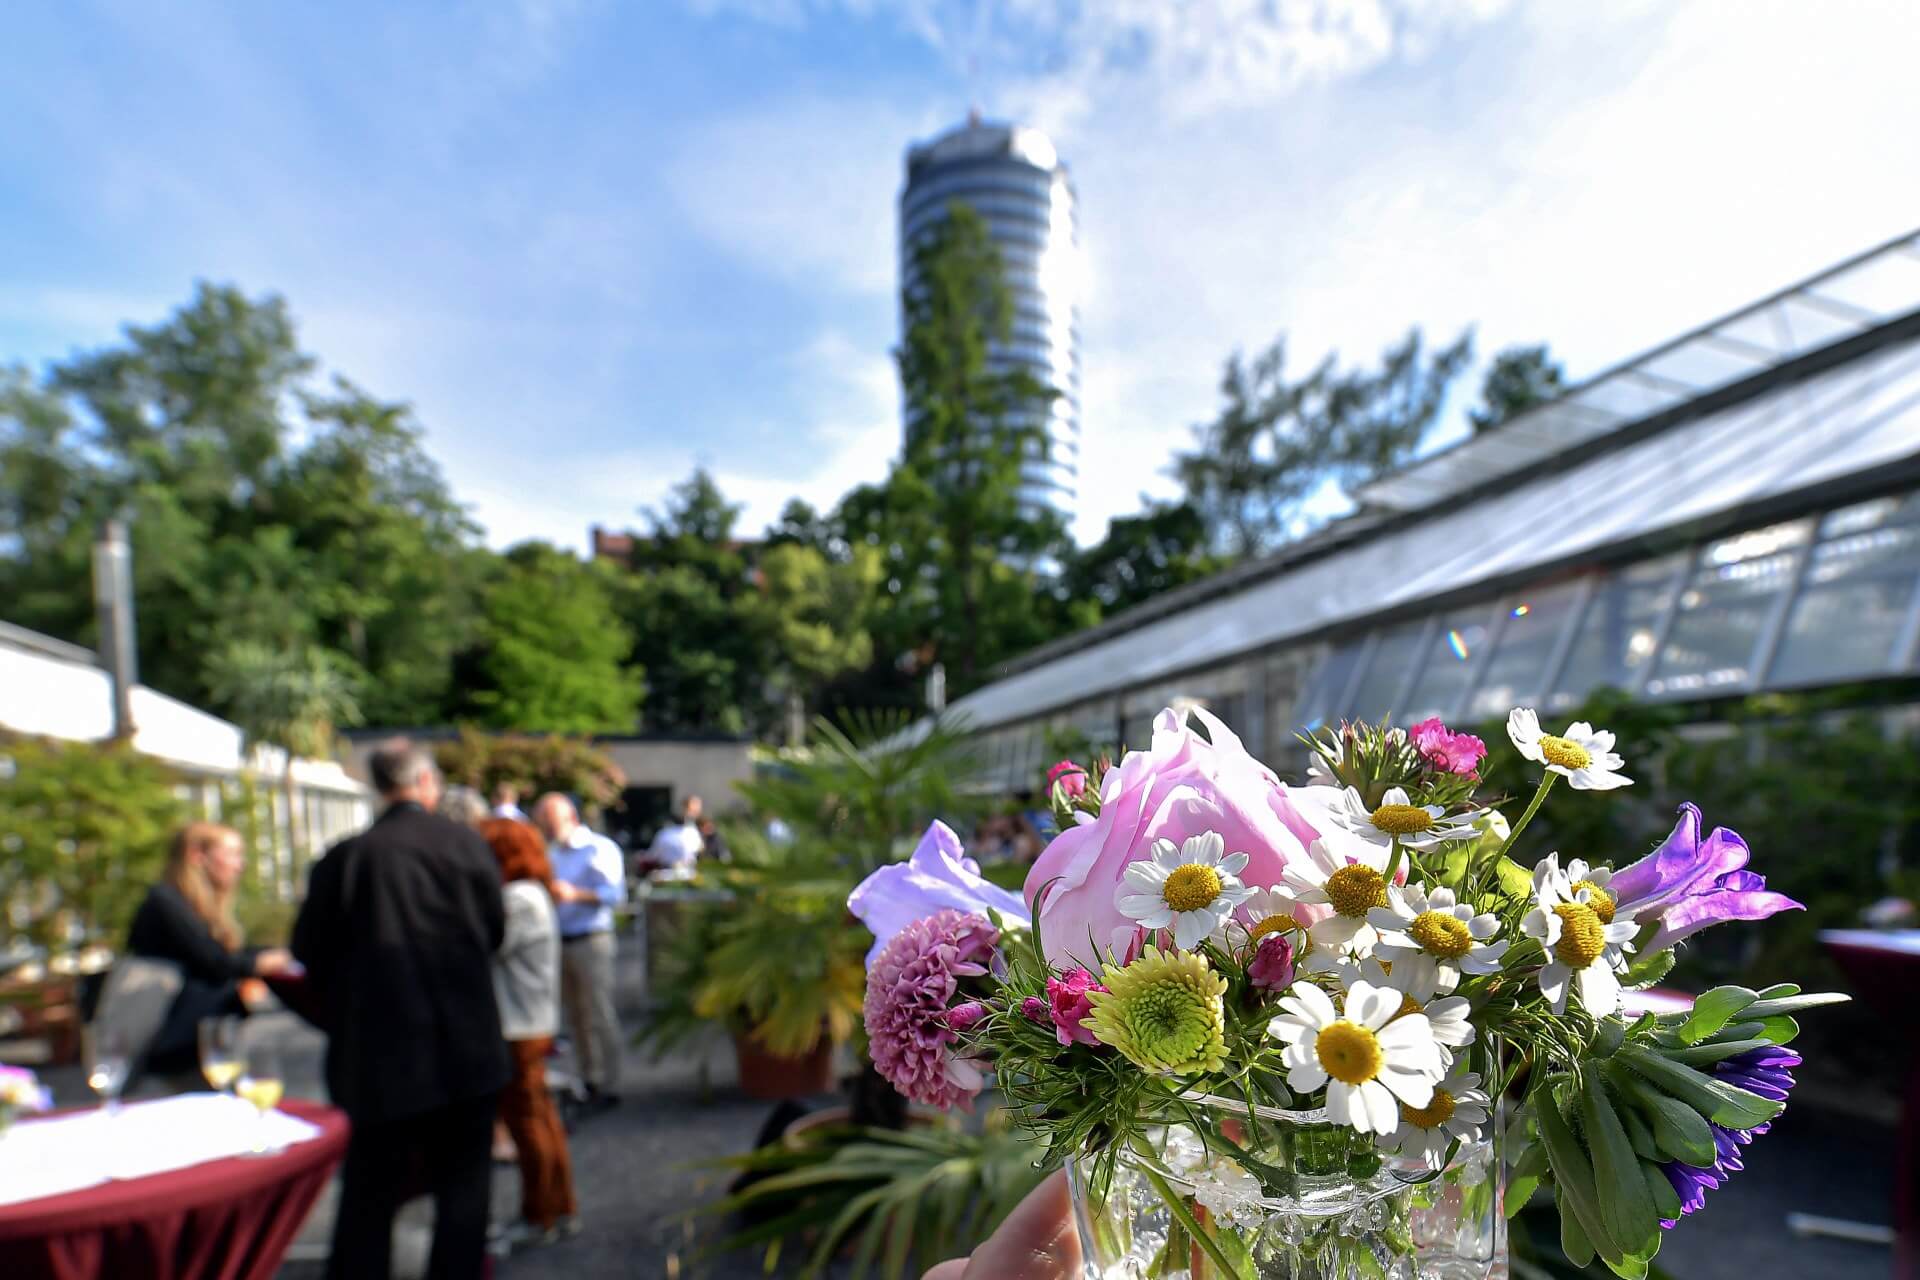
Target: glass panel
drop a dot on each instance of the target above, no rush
(1288, 677)
(1842, 631)
(1616, 636)
(1386, 673)
(1460, 641)
(1329, 683)
(1723, 609)
(1535, 622)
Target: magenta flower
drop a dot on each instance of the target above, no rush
(1069, 1006)
(909, 988)
(1034, 1008)
(1069, 777)
(965, 1017)
(1688, 884)
(1271, 968)
(937, 875)
(1449, 752)
(1183, 785)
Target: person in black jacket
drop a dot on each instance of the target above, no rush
(187, 920)
(398, 933)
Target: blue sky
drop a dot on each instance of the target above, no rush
(595, 243)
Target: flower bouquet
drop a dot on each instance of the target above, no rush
(1335, 1030)
(20, 1091)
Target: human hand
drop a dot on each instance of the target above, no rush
(1036, 1242)
(273, 960)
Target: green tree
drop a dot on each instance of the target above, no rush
(554, 658)
(812, 616)
(1518, 379)
(291, 698)
(1142, 556)
(1280, 442)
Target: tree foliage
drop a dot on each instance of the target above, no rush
(1142, 556)
(1279, 442)
(534, 765)
(1518, 379)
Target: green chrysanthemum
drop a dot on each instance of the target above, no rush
(1163, 1012)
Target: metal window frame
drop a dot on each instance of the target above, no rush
(1585, 590)
(1496, 633)
(1766, 645)
(1663, 629)
(1422, 655)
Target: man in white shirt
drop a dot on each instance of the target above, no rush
(506, 802)
(678, 846)
(589, 880)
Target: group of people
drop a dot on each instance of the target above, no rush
(441, 950)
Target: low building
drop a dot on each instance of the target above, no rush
(1735, 511)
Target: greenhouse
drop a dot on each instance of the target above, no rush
(1735, 511)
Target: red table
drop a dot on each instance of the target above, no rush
(223, 1220)
(1883, 967)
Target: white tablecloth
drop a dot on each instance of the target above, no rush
(72, 1152)
(1904, 942)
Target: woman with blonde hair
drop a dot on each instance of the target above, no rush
(187, 920)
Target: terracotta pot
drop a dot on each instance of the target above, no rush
(766, 1076)
(800, 1130)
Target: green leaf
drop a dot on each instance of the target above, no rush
(1712, 1010)
(1718, 1101)
(1649, 969)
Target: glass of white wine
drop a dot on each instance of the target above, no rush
(261, 1084)
(220, 1058)
(109, 1056)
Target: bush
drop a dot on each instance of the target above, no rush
(534, 764)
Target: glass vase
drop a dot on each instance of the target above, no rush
(1459, 1219)
(1231, 1192)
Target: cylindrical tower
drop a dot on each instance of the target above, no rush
(1014, 179)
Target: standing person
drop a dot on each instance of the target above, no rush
(506, 802)
(589, 880)
(677, 848)
(398, 933)
(463, 805)
(187, 919)
(526, 981)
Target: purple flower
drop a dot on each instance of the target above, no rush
(1445, 750)
(1689, 883)
(965, 1017)
(1035, 1008)
(936, 876)
(1070, 1005)
(21, 1090)
(909, 987)
(1767, 1072)
(1271, 968)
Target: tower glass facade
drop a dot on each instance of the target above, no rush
(1012, 177)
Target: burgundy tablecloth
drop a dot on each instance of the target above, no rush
(223, 1220)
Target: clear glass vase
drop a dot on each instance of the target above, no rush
(1229, 1192)
(1459, 1221)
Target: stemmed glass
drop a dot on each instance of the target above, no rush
(109, 1056)
(220, 1058)
(262, 1084)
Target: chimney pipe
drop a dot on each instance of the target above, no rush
(113, 608)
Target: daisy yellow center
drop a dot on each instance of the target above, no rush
(1564, 752)
(1191, 887)
(1402, 819)
(1272, 924)
(1408, 1005)
(1349, 1052)
(1431, 1116)
(1582, 936)
(1356, 889)
(1441, 934)
(1599, 899)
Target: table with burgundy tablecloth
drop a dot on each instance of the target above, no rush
(1883, 967)
(224, 1218)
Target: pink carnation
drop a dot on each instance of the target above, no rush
(910, 985)
(1271, 968)
(1445, 750)
(1069, 777)
(1070, 1006)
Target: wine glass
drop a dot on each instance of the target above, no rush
(109, 1056)
(261, 1084)
(220, 1059)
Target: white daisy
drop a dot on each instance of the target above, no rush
(1591, 885)
(1424, 988)
(1584, 756)
(1370, 1061)
(1396, 817)
(1578, 943)
(1437, 924)
(1265, 911)
(1352, 884)
(1191, 889)
(1458, 1109)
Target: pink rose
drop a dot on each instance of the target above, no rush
(1180, 786)
(1070, 1006)
(1069, 777)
